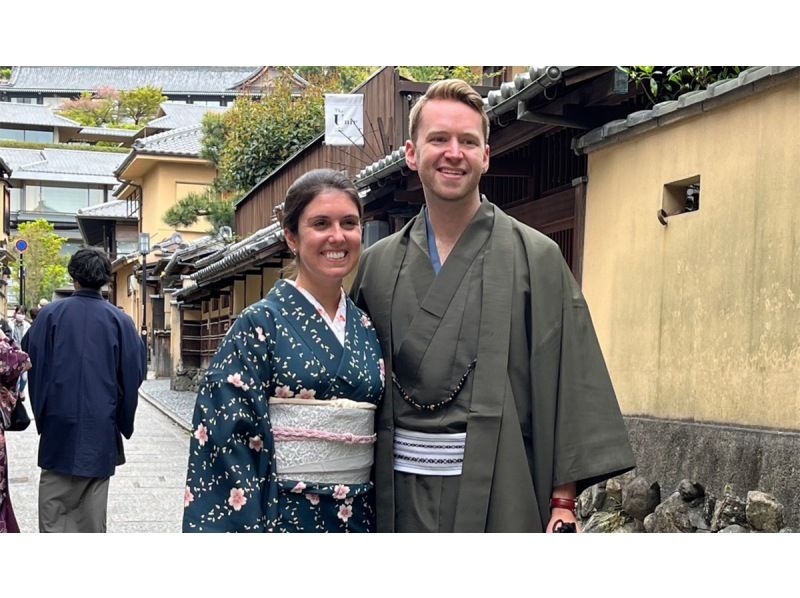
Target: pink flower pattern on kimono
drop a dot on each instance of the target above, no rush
(298, 487)
(256, 443)
(365, 321)
(340, 491)
(237, 499)
(312, 498)
(260, 333)
(188, 497)
(345, 512)
(201, 433)
(306, 393)
(284, 392)
(383, 370)
(236, 380)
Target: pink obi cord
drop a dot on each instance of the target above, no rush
(305, 434)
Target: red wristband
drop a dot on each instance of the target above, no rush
(563, 503)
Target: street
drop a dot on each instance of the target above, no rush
(145, 494)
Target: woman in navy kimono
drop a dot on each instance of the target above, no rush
(283, 424)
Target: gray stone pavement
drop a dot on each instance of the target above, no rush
(145, 494)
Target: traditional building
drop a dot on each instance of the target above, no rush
(203, 85)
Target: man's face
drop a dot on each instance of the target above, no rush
(450, 153)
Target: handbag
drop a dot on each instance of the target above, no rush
(19, 419)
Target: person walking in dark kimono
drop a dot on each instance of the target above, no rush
(88, 363)
(500, 407)
(284, 420)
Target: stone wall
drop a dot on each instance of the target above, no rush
(632, 504)
(720, 455)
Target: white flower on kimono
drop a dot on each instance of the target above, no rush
(312, 498)
(260, 333)
(283, 392)
(305, 393)
(345, 512)
(256, 443)
(236, 380)
(365, 321)
(188, 497)
(298, 487)
(201, 433)
(382, 366)
(340, 491)
(237, 499)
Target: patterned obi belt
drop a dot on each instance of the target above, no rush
(423, 453)
(323, 442)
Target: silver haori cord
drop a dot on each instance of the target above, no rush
(428, 454)
(323, 442)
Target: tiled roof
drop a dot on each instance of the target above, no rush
(108, 132)
(177, 115)
(187, 141)
(62, 165)
(686, 106)
(114, 209)
(233, 257)
(32, 114)
(4, 168)
(524, 87)
(171, 79)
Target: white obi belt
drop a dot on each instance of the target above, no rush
(323, 442)
(423, 453)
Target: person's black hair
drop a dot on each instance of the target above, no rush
(90, 267)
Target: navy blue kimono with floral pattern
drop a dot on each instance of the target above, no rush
(281, 347)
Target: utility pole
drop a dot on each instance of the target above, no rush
(144, 249)
(22, 247)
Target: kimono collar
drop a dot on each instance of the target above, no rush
(88, 293)
(338, 324)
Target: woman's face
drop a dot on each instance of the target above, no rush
(328, 240)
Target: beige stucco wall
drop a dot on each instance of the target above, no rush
(129, 303)
(699, 319)
(162, 187)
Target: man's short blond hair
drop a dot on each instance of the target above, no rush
(449, 89)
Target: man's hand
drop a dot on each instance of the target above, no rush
(566, 491)
(564, 515)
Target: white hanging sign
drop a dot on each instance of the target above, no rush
(344, 119)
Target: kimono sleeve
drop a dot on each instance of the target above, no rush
(230, 452)
(591, 441)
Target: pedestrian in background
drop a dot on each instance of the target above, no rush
(13, 362)
(88, 362)
(19, 325)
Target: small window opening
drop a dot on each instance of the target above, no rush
(680, 197)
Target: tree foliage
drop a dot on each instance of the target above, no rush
(261, 135)
(429, 74)
(46, 268)
(210, 203)
(107, 107)
(663, 83)
(140, 105)
(93, 109)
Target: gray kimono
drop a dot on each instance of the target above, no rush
(538, 410)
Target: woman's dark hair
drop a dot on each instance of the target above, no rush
(307, 187)
(90, 267)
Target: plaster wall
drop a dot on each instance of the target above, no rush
(163, 186)
(698, 319)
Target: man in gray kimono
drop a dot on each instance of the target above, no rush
(498, 408)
